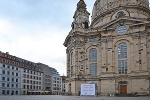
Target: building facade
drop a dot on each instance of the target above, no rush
(113, 51)
(10, 79)
(56, 82)
(63, 84)
(31, 82)
(19, 76)
(47, 77)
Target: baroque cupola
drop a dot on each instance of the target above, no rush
(81, 16)
(103, 10)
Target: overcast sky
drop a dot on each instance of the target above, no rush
(35, 30)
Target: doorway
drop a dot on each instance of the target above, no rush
(123, 89)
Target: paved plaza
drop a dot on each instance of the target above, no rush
(58, 97)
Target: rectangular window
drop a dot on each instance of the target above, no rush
(40, 87)
(16, 68)
(27, 86)
(7, 85)
(3, 65)
(9, 61)
(16, 92)
(72, 71)
(16, 80)
(3, 92)
(30, 81)
(3, 60)
(12, 79)
(12, 85)
(12, 67)
(93, 69)
(24, 86)
(122, 66)
(3, 71)
(16, 74)
(12, 73)
(24, 70)
(3, 78)
(39, 83)
(13, 62)
(3, 84)
(37, 87)
(7, 92)
(8, 66)
(7, 79)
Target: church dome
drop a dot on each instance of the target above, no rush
(102, 6)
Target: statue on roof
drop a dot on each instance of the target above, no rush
(81, 5)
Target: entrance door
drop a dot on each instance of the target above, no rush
(123, 89)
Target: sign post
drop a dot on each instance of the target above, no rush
(87, 90)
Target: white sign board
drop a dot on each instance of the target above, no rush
(88, 89)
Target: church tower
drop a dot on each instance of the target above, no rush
(81, 16)
(113, 51)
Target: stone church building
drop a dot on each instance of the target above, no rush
(113, 51)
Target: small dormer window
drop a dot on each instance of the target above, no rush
(120, 14)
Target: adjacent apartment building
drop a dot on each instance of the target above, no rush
(63, 84)
(47, 78)
(56, 82)
(20, 76)
(10, 79)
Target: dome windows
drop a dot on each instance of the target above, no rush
(120, 14)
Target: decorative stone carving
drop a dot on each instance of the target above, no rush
(81, 5)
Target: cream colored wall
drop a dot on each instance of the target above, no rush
(107, 86)
(140, 85)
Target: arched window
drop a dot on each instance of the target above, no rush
(122, 50)
(86, 25)
(93, 62)
(122, 58)
(120, 14)
(93, 55)
(72, 58)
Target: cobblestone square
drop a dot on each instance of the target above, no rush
(58, 97)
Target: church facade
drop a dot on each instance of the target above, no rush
(113, 51)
